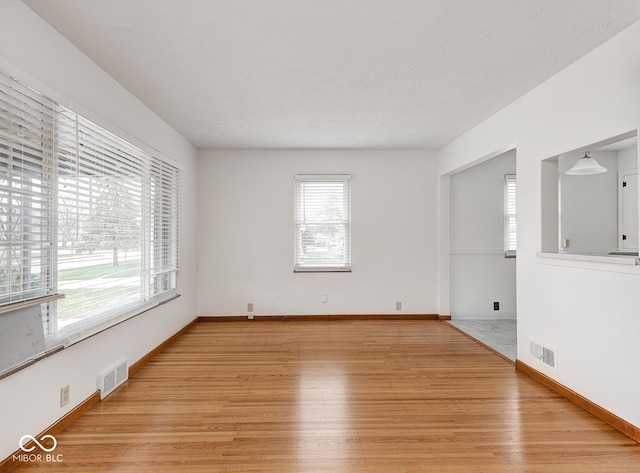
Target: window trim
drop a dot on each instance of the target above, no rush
(346, 180)
(168, 244)
(27, 142)
(509, 227)
(92, 147)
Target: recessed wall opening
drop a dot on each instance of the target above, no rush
(593, 212)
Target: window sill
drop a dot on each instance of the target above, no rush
(322, 270)
(483, 252)
(54, 345)
(81, 333)
(29, 302)
(594, 261)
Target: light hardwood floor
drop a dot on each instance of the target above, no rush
(361, 396)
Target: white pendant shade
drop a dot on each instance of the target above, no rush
(586, 166)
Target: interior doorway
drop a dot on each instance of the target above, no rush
(482, 254)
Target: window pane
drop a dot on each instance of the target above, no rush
(117, 224)
(82, 212)
(322, 223)
(510, 214)
(26, 190)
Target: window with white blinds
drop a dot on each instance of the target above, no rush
(26, 192)
(83, 213)
(117, 223)
(322, 223)
(510, 215)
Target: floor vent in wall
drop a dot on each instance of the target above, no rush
(544, 354)
(110, 379)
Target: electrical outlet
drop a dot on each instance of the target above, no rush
(64, 396)
(496, 306)
(398, 305)
(250, 307)
(324, 298)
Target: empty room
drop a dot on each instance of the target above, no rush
(319, 236)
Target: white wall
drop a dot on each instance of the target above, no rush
(35, 53)
(246, 233)
(589, 205)
(480, 274)
(628, 158)
(588, 311)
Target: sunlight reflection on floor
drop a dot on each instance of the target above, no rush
(323, 416)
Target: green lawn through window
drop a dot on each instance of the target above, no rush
(123, 270)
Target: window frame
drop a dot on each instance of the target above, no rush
(510, 215)
(300, 221)
(160, 185)
(27, 183)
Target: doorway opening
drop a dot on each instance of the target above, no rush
(482, 254)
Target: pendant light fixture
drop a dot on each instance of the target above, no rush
(586, 166)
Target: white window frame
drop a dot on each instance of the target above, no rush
(159, 185)
(510, 220)
(27, 183)
(302, 222)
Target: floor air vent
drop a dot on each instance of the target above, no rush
(109, 380)
(546, 355)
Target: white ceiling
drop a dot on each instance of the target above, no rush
(332, 73)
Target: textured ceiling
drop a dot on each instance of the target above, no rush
(332, 73)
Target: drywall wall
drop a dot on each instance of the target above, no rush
(247, 229)
(589, 205)
(35, 53)
(628, 158)
(587, 311)
(480, 273)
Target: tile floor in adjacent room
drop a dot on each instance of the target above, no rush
(498, 334)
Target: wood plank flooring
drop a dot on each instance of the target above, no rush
(348, 396)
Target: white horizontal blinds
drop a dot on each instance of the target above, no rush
(100, 221)
(322, 223)
(165, 192)
(26, 192)
(82, 212)
(510, 214)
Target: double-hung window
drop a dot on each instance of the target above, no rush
(510, 215)
(83, 213)
(322, 223)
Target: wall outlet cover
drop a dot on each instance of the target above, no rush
(64, 396)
